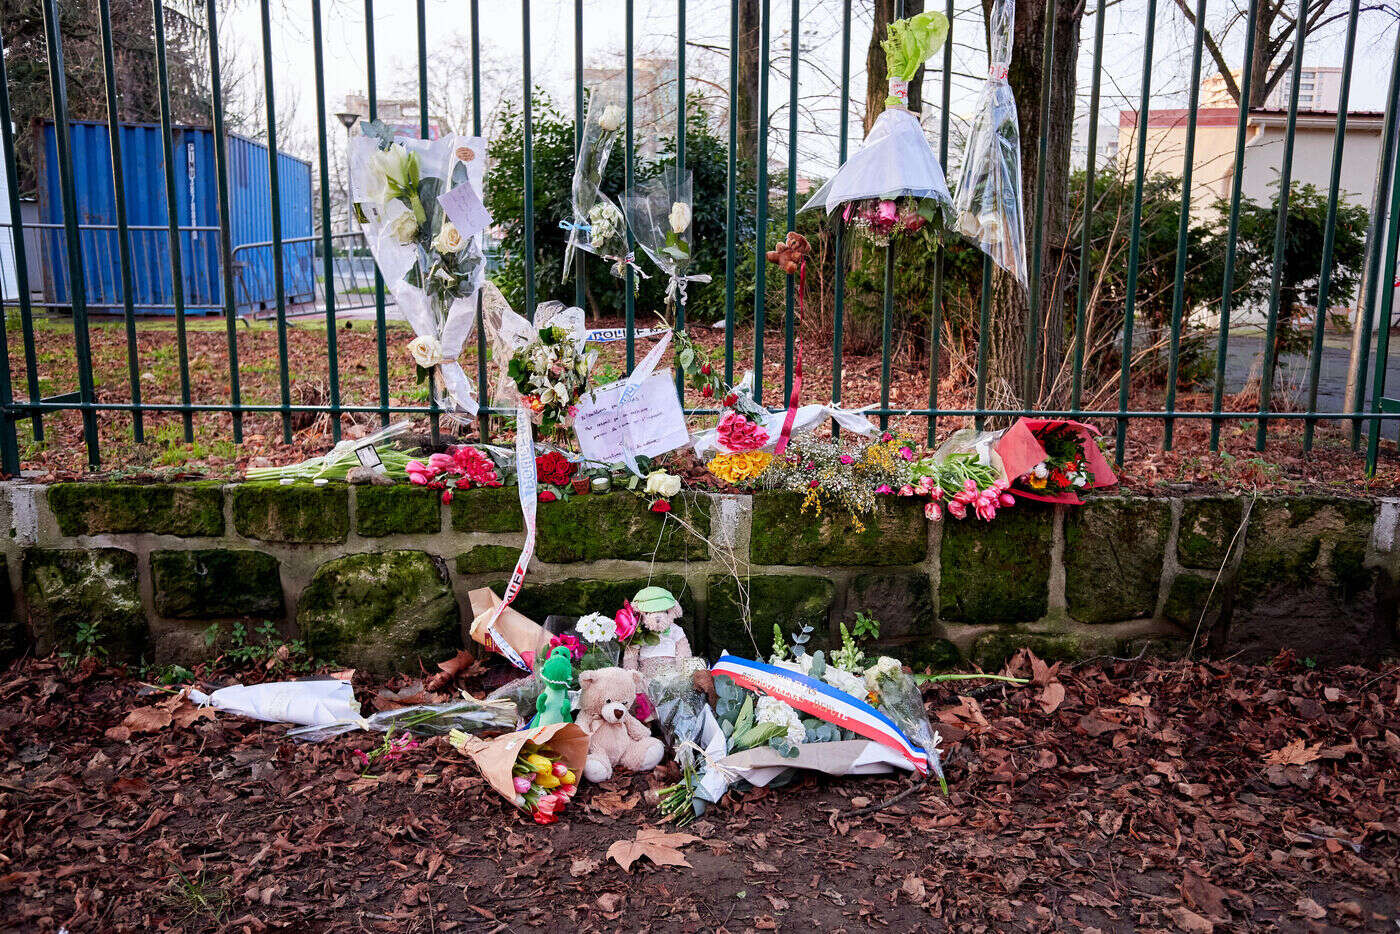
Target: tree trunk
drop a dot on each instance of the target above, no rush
(1006, 376)
(877, 83)
(746, 92)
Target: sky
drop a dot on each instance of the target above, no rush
(552, 50)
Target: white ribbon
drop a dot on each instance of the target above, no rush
(629, 392)
(676, 290)
(529, 500)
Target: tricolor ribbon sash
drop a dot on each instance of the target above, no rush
(824, 702)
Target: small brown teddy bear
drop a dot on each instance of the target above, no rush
(789, 253)
(617, 740)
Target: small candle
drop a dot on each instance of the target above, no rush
(601, 484)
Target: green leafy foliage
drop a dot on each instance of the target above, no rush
(552, 138)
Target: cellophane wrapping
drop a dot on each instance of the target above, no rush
(598, 225)
(988, 202)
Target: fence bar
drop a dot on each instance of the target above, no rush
(225, 234)
(580, 283)
(381, 327)
(886, 333)
(629, 288)
(1266, 381)
(434, 425)
(1183, 221)
(1033, 319)
(1373, 277)
(274, 191)
(114, 147)
(839, 275)
(328, 254)
(1090, 164)
(1236, 182)
(731, 210)
(984, 331)
(760, 297)
(680, 168)
(1329, 232)
(1135, 241)
(172, 212)
(790, 283)
(483, 412)
(936, 319)
(77, 285)
(1392, 241)
(26, 317)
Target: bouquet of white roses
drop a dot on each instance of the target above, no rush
(419, 204)
(545, 368)
(598, 226)
(661, 218)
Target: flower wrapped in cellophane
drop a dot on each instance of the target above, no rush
(419, 205)
(598, 225)
(544, 367)
(988, 202)
(662, 219)
(893, 183)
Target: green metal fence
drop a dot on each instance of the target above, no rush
(1382, 238)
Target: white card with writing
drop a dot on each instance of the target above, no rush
(657, 422)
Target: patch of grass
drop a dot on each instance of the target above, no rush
(200, 897)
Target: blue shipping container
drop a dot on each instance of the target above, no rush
(197, 209)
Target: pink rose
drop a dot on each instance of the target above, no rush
(887, 214)
(846, 459)
(906, 453)
(625, 621)
(737, 434)
(642, 708)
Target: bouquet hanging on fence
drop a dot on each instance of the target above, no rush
(598, 226)
(419, 204)
(544, 366)
(988, 202)
(893, 184)
(662, 220)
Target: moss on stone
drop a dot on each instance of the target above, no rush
(931, 654)
(383, 612)
(1298, 542)
(896, 533)
(788, 600)
(297, 513)
(487, 509)
(485, 559)
(96, 587)
(992, 649)
(185, 509)
(14, 637)
(1114, 547)
(619, 525)
(997, 572)
(1208, 525)
(401, 509)
(902, 601)
(216, 583)
(1190, 601)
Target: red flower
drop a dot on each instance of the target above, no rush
(542, 818)
(707, 392)
(547, 496)
(446, 497)
(730, 399)
(705, 369)
(555, 469)
(661, 505)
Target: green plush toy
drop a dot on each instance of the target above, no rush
(557, 673)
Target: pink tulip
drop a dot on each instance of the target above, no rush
(522, 784)
(970, 485)
(906, 490)
(418, 472)
(1008, 500)
(957, 508)
(883, 488)
(440, 462)
(933, 512)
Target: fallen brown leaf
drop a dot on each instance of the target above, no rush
(660, 847)
(147, 719)
(1295, 753)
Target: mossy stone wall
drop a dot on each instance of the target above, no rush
(378, 577)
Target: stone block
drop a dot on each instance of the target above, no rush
(901, 600)
(998, 571)
(485, 559)
(487, 509)
(88, 598)
(788, 601)
(401, 509)
(299, 513)
(121, 506)
(896, 533)
(1114, 548)
(216, 583)
(619, 525)
(1208, 524)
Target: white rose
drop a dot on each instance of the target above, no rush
(449, 239)
(377, 189)
(1040, 472)
(680, 216)
(426, 351)
(611, 120)
(404, 228)
(392, 165)
(660, 483)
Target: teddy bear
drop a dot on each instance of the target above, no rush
(617, 740)
(656, 610)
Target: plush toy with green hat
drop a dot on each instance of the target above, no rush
(657, 611)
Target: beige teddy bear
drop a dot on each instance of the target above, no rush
(616, 738)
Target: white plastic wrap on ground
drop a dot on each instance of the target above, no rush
(306, 703)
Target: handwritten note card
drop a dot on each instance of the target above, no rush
(654, 418)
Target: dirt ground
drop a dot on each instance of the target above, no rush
(1332, 465)
(1116, 795)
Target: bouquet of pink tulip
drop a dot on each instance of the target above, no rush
(461, 468)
